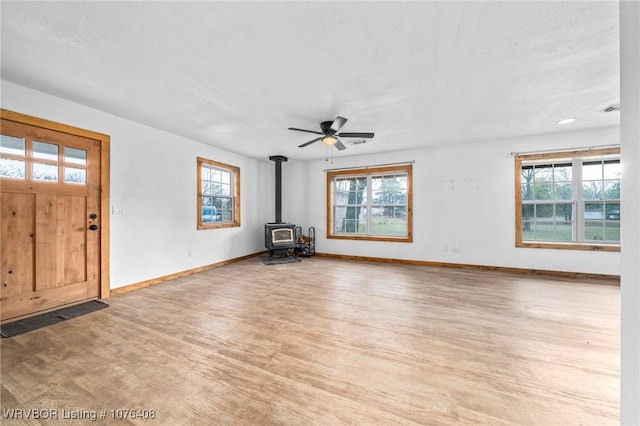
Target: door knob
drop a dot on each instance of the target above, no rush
(93, 227)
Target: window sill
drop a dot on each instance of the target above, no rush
(407, 239)
(569, 246)
(218, 225)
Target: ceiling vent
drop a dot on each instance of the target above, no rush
(611, 108)
(358, 142)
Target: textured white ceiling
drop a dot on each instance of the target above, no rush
(236, 75)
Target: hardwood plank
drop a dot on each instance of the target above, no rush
(16, 231)
(330, 341)
(50, 264)
(73, 239)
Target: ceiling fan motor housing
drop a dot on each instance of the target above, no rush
(326, 127)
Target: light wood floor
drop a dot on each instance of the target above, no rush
(330, 342)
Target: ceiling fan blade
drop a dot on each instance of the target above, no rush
(309, 143)
(305, 130)
(355, 135)
(338, 123)
(340, 146)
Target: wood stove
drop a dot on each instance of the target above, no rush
(279, 237)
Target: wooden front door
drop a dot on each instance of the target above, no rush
(49, 219)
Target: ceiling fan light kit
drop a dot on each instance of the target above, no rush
(329, 140)
(330, 135)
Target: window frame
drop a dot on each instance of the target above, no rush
(370, 171)
(569, 156)
(235, 173)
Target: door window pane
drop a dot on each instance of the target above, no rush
(74, 175)
(45, 151)
(12, 168)
(75, 156)
(46, 172)
(12, 145)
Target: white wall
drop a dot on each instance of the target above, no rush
(630, 148)
(463, 197)
(153, 177)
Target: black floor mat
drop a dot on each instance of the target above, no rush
(33, 323)
(268, 260)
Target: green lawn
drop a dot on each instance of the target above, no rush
(562, 232)
(385, 226)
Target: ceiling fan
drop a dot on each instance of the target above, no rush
(330, 135)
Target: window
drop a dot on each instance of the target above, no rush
(569, 200)
(30, 159)
(218, 195)
(370, 204)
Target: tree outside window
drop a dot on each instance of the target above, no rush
(569, 200)
(370, 204)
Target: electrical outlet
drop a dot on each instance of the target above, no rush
(117, 210)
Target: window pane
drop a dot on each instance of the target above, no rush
(543, 190)
(389, 226)
(592, 190)
(547, 222)
(209, 214)
(528, 231)
(594, 214)
(351, 191)
(225, 208)
(612, 189)
(45, 151)
(75, 156)
(544, 212)
(74, 175)
(528, 211)
(562, 191)
(350, 220)
(47, 172)
(216, 182)
(543, 173)
(612, 169)
(612, 231)
(12, 168)
(594, 230)
(224, 189)
(594, 211)
(527, 191)
(206, 173)
(562, 173)
(12, 145)
(564, 212)
(592, 170)
(612, 211)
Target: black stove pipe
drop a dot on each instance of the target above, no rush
(278, 160)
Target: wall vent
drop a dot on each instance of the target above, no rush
(611, 108)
